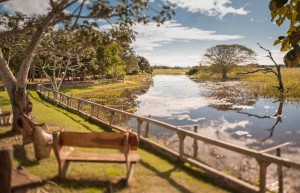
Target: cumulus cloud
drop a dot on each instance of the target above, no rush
(151, 36)
(28, 6)
(218, 8)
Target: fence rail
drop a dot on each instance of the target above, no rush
(118, 119)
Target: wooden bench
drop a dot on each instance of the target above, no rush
(127, 142)
(38, 134)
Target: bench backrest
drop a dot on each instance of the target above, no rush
(110, 140)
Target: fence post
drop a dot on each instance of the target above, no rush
(61, 99)
(147, 127)
(195, 145)
(6, 158)
(68, 101)
(120, 119)
(112, 113)
(78, 104)
(98, 111)
(92, 109)
(181, 137)
(262, 175)
(140, 122)
(280, 174)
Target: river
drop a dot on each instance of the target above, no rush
(225, 111)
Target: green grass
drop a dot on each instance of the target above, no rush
(259, 84)
(263, 84)
(113, 93)
(152, 174)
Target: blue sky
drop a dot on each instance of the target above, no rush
(198, 25)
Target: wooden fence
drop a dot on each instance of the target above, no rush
(118, 119)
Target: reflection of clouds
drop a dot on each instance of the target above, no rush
(243, 107)
(223, 124)
(188, 117)
(171, 95)
(163, 105)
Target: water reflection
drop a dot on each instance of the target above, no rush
(220, 110)
(277, 116)
(224, 111)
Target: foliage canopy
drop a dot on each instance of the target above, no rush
(223, 58)
(282, 10)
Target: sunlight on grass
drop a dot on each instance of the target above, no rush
(152, 173)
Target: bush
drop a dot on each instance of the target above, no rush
(192, 70)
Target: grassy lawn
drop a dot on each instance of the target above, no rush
(152, 174)
(113, 93)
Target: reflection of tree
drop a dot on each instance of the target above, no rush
(277, 115)
(227, 94)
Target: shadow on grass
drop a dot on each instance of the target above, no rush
(166, 175)
(59, 109)
(21, 156)
(190, 170)
(83, 184)
(7, 134)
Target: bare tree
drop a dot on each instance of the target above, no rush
(267, 70)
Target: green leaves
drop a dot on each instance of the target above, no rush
(281, 11)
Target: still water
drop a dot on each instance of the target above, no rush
(222, 110)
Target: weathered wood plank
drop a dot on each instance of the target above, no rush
(97, 157)
(96, 140)
(22, 178)
(6, 157)
(275, 147)
(92, 139)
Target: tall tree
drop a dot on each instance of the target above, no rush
(62, 51)
(143, 64)
(130, 59)
(73, 12)
(223, 58)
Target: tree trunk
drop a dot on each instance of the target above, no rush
(224, 75)
(20, 105)
(279, 77)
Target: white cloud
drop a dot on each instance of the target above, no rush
(151, 36)
(28, 6)
(276, 54)
(218, 8)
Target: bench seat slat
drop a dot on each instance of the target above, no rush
(93, 139)
(95, 157)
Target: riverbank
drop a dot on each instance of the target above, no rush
(152, 169)
(120, 94)
(259, 84)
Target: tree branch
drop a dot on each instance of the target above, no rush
(24, 68)
(79, 13)
(270, 54)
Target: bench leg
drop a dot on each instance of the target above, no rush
(63, 170)
(129, 173)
